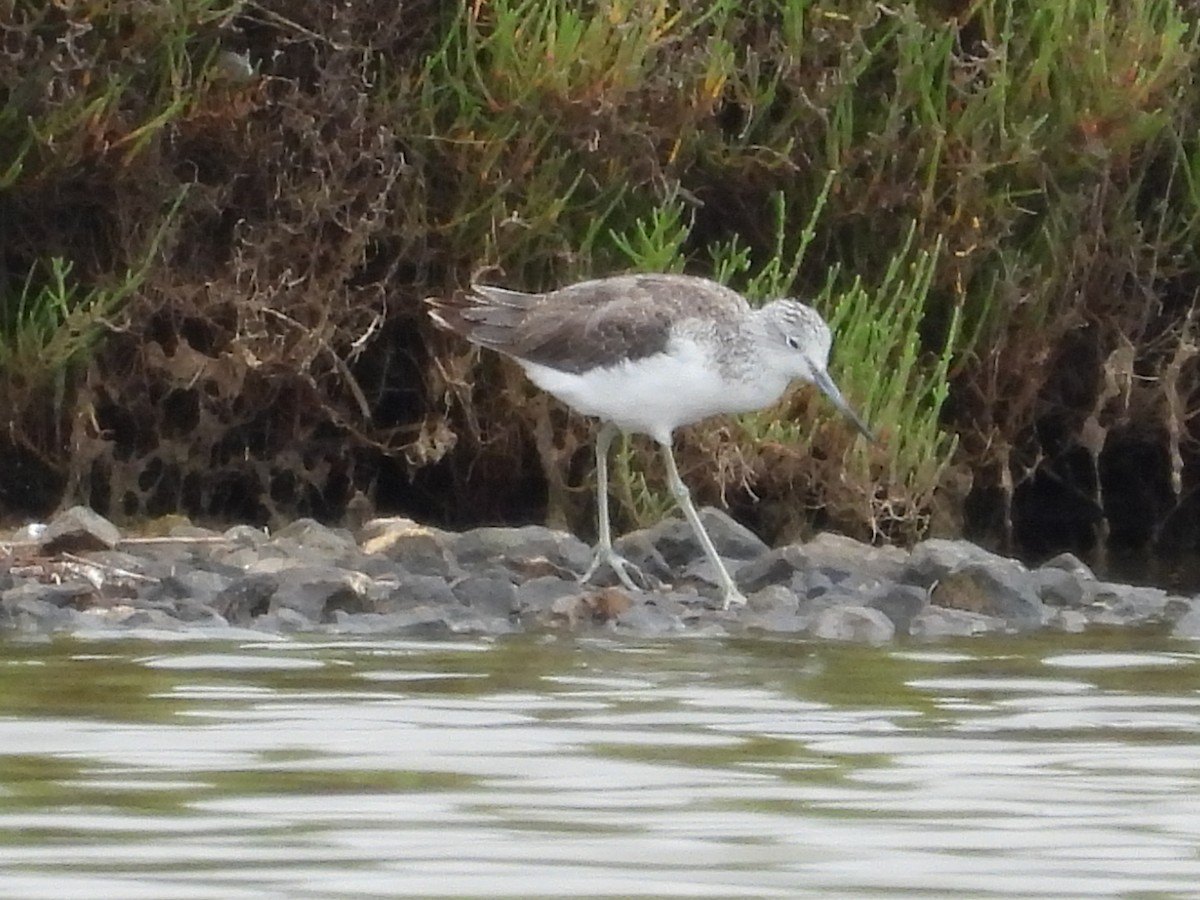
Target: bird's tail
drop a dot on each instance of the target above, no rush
(481, 314)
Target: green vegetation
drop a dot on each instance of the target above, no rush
(995, 202)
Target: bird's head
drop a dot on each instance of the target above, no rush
(798, 341)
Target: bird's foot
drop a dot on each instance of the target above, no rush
(621, 568)
(733, 597)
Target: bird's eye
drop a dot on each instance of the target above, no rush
(793, 342)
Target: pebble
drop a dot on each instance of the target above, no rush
(79, 574)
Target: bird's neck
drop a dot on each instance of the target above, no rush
(758, 326)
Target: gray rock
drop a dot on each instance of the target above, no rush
(78, 530)
(493, 594)
(1188, 624)
(936, 622)
(245, 536)
(412, 591)
(900, 603)
(197, 585)
(283, 620)
(245, 598)
(703, 571)
(1071, 621)
(308, 539)
(677, 544)
(1071, 564)
(125, 617)
(650, 620)
(538, 595)
(774, 609)
(67, 594)
(1135, 605)
(860, 624)
(934, 559)
(190, 610)
(530, 550)
(1004, 591)
(639, 550)
(316, 592)
(423, 621)
(813, 585)
(274, 565)
(414, 548)
(469, 623)
(771, 598)
(962, 576)
(777, 566)
(1059, 587)
(36, 616)
(777, 621)
(407, 591)
(869, 564)
(243, 546)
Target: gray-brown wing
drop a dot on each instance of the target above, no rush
(594, 324)
(590, 324)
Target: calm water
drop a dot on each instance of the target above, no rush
(550, 767)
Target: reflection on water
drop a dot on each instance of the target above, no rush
(551, 767)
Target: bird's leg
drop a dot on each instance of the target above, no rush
(731, 596)
(604, 548)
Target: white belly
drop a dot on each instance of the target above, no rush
(657, 394)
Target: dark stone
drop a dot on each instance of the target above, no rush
(523, 549)
(1070, 563)
(65, 595)
(538, 595)
(283, 620)
(247, 597)
(774, 609)
(464, 620)
(420, 621)
(156, 619)
(1072, 621)
(1061, 588)
(777, 566)
(641, 553)
(813, 585)
(414, 549)
(245, 536)
(195, 584)
(777, 621)
(1128, 604)
(410, 591)
(35, 615)
(869, 565)
(189, 609)
(772, 597)
(308, 539)
(678, 546)
(316, 592)
(493, 594)
(1006, 592)
(650, 620)
(936, 558)
(900, 603)
(78, 530)
(1188, 624)
(703, 571)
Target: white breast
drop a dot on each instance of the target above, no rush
(657, 394)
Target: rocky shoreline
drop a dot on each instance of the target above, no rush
(81, 575)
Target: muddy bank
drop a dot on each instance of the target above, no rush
(81, 575)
